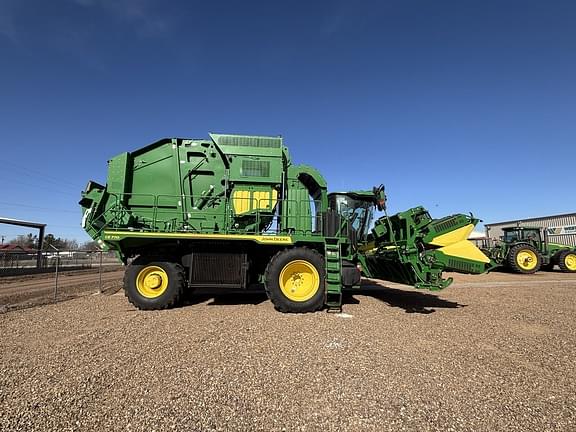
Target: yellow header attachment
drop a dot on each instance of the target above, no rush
(456, 244)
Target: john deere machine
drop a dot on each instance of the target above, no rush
(235, 211)
(527, 250)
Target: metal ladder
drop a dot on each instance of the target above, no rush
(333, 275)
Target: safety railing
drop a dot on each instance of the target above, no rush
(219, 214)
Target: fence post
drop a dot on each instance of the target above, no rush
(56, 284)
(57, 265)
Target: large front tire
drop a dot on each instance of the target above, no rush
(524, 258)
(295, 280)
(152, 285)
(567, 261)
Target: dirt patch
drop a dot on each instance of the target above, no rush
(32, 290)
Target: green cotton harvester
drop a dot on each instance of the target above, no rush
(234, 211)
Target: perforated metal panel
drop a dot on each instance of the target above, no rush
(252, 168)
(218, 270)
(247, 141)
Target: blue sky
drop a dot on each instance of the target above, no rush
(456, 105)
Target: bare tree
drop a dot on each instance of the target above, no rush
(29, 241)
(59, 243)
(90, 245)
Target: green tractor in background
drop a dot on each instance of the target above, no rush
(526, 250)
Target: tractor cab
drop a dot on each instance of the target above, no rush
(532, 236)
(355, 211)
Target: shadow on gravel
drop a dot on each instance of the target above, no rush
(223, 297)
(410, 301)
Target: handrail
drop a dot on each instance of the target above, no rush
(162, 212)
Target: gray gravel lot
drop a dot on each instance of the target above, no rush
(492, 352)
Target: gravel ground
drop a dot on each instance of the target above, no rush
(492, 352)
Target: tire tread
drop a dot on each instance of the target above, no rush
(511, 259)
(272, 287)
(173, 301)
(562, 263)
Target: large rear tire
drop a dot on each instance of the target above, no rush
(153, 285)
(567, 261)
(524, 258)
(295, 280)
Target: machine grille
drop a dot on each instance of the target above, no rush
(446, 225)
(243, 141)
(462, 266)
(218, 270)
(251, 168)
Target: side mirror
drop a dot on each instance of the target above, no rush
(379, 197)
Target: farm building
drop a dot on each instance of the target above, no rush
(16, 249)
(560, 228)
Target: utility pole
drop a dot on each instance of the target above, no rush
(3, 237)
(57, 265)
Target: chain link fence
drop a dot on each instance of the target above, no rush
(12, 264)
(62, 275)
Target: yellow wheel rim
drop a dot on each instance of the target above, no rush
(526, 259)
(299, 280)
(570, 261)
(152, 281)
